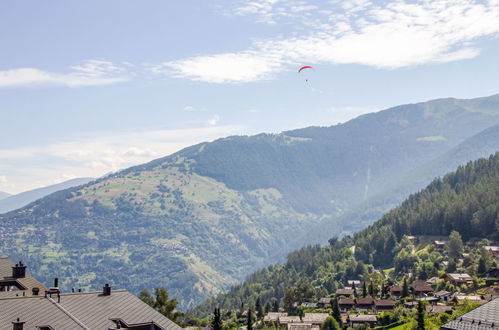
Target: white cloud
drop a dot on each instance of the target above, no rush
(393, 35)
(89, 73)
(213, 121)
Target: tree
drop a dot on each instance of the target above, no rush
(336, 310)
(330, 324)
(275, 306)
(371, 289)
(259, 309)
(455, 245)
(249, 320)
(420, 316)
(364, 289)
(405, 289)
(216, 322)
(162, 304)
(482, 266)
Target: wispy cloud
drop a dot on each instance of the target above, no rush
(89, 73)
(393, 35)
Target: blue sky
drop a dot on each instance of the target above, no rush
(90, 87)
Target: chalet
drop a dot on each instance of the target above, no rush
(345, 292)
(432, 280)
(458, 278)
(410, 304)
(285, 320)
(364, 304)
(493, 250)
(315, 318)
(309, 304)
(483, 317)
(438, 309)
(492, 277)
(345, 304)
(443, 295)
(302, 326)
(459, 299)
(420, 288)
(396, 291)
(439, 245)
(323, 302)
(353, 282)
(431, 300)
(273, 316)
(355, 320)
(384, 305)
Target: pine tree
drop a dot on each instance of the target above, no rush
(405, 289)
(420, 316)
(249, 320)
(482, 266)
(336, 310)
(216, 322)
(275, 306)
(364, 289)
(330, 324)
(455, 245)
(371, 289)
(259, 309)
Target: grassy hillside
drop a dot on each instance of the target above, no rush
(465, 201)
(201, 219)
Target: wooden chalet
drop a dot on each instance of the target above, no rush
(273, 316)
(364, 304)
(355, 320)
(345, 304)
(285, 320)
(420, 288)
(493, 250)
(315, 318)
(346, 292)
(384, 305)
(458, 278)
(396, 291)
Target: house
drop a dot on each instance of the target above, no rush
(459, 299)
(431, 300)
(493, 250)
(273, 316)
(410, 304)
(432, 280)
(481, 318)
(364, 304)
(285, 320)
(15, 281)
(396, 291)
(355, 320)
(384, 305)
(458, 278)
(353, 282)
(439, 245)
(413, 239)
(345, 304)
(420, 288)
(443, 295)
(302, 326)
(315, 318)
(309, 305)
(323, 302)
(25, 304)
(439, 309)
(345, 292)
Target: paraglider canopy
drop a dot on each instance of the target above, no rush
(304, 67)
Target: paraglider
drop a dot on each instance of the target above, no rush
(305, 68)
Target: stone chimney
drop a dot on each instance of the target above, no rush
(19, 270)
(18, 325)
(106, 290)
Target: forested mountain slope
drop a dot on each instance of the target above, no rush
(465, 201)
(201, 219)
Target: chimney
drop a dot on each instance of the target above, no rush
(19, 270)
(17, 325)
(106, 290)
(56, 282)
(35, 291)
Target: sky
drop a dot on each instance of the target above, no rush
(91, 87)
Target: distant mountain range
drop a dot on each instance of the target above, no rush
(203, 218)
(11, 202)
(4, 195)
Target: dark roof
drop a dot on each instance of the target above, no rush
(364, 301)
(346, 301)
(480, 318)
(421, 286)
(396, 288)
(384, 302)
(90, 310)
(438, 309)
(26, 283)
(345, 292)
(362, 318)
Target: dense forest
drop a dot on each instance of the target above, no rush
(462, 202)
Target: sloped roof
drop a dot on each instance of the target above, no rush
(27, 282)
(289, 319)
(273, 316)
(346, 301)
(385, 302)
(481, 318)
(362, 318)
(80, 310)
(315, 317)
(364, 301)
(345, 292)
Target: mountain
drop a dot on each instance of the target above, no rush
(4, 195)
(12, 202)
(464, 201)
(200, 220)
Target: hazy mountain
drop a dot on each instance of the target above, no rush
(4, 195)
(201, 219)
(12, 202)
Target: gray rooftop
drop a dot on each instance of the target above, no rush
(481, 318)
(75, 311)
